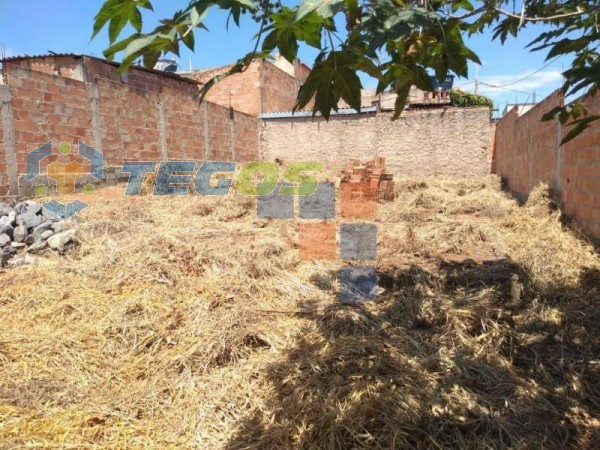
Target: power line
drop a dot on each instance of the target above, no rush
(531, 74)
(506, 89)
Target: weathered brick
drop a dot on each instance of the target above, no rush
(579, 171)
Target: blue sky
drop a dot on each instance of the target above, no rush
(38, 26)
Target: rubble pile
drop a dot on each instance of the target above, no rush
(369, 179)
(26, 226)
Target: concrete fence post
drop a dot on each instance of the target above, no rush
(531, 154)
(8, 124)
(96, 117)
(206, 139)
(162, 125)
(232, 137)
(559, 154)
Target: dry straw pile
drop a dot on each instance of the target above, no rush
(190, 323)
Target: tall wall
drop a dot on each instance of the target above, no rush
(145, 118)
(424, 142)
(528, 151)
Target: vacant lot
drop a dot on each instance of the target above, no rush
(189, 322)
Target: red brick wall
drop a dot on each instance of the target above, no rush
(219, 133)
(66, 66)
(301, 70)
(130, 123)
(246, 138)
(243, 91)
(279, 89)
(137, 120)
(240, 91)
(47, 107)
(151, 81)
(184, 125)
(580, 173)
(527, 152)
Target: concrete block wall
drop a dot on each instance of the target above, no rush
(527, 152)
(145, 118)
(447, 141)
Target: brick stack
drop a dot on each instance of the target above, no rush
(368, 180)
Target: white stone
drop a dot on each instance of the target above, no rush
(58, 241)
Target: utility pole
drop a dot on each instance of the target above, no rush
(476, 79)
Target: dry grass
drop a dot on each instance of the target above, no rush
(187, 322)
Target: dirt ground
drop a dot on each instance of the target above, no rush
(187, 322)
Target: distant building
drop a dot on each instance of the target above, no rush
(265, 86)
(386, 100)
(166, 65)
(522, 108)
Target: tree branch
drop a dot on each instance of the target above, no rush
(522, 17)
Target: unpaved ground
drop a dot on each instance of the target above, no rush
(188, 322)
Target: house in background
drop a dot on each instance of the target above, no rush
(522, 108)
(271, 86)
(265, 86)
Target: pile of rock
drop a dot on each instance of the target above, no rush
(28, 226)
(371, 177)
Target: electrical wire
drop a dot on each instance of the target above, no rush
(511, 90)
(531, 74)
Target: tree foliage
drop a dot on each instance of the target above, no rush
(397, 42)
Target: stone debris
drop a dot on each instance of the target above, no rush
(30, 227)
(60, 240)
(369, 179)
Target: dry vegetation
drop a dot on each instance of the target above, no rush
(188, 322)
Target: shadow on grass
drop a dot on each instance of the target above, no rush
(473, 356)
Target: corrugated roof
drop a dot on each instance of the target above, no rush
(309, 113)
(47, 55)
(112, 63)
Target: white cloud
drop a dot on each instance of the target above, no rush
(542, 82)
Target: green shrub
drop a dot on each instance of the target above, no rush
(462, 99)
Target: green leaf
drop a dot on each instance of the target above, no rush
(104, 15)
(400, 103)
(287, 31)
(188, 39)
(578, 127)
(462, 4)
(136, 19)
(551, 115)
(116, 26)
(568, 46)
(119, 46)
(325, 8)
(137, 45)
(332, 78)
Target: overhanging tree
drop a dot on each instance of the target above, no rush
(399, 43)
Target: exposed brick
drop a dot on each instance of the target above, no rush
(47, 106)
(579, 170)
